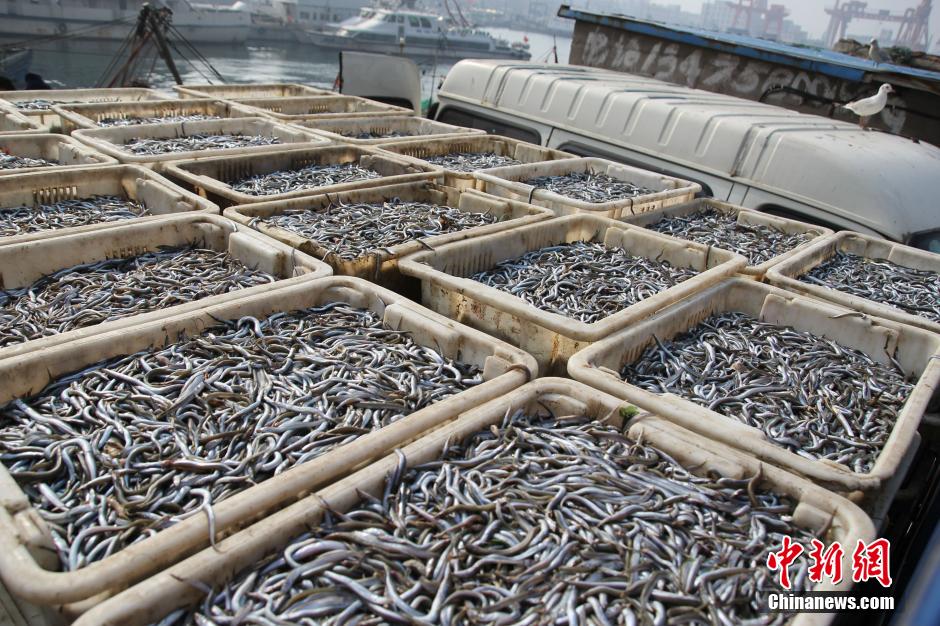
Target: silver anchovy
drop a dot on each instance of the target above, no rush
(93, 293)
(471, 161)
(40, 104)
(13, 162)
(812, 395)
(165, 119)
(540, 520)
(199, 141)
(757, 242)
(913, 291)
(353, 230)
(586, 281)
(314, 175)
(67, 214)
(124, 448)
(589, 187)
(375, 134)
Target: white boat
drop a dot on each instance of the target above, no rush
(415, 33)
(92, 19)
(287, 20)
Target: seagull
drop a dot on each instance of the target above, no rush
(876, 54)
(872, 105)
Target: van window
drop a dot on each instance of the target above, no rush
(929, 241)
(791, 214)
(413, 21)
(425, 22)
(450, 115)
(584, 151)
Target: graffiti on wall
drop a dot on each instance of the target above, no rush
(717, 71)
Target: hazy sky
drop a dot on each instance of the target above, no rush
(811, 16)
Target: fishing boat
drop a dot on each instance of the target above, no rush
(415, 33)
(89, 19)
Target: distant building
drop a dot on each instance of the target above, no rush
(719, 15)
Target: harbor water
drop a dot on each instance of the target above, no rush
(83, 63)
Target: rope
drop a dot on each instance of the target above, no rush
(198, 54)
(195, 68)
(112, 66)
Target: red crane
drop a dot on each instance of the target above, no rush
(912, 33)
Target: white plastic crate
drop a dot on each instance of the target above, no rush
(158, 195)
(382, 129)
(213, 177)
(550, 337)
(381, 263)
(14, 122)
(22, 264)
(817, 510)
(744, 217)
(916, 350)
(259, 90)
(503, 146)
(65, 151)
(111, 141)
(787, 274)
(79, 116)
(509, 182)
(320, 107)
(49, 120)
(24, 538)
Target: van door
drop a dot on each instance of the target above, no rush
(737, 194)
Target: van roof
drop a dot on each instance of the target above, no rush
(879, 180)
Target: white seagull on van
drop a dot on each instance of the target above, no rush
(872, 105)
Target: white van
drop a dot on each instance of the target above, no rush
(772, 159)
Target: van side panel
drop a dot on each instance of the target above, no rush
(869, 181)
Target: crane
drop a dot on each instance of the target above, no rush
(912, 33)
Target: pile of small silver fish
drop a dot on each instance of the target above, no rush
(713, 228)
(587, 187)
(133, 121)
(199, 141)
(67, 214)
(913, 291)
(817, 398)
(38, 105)
(353, 230)
(368, 134)
(13, 162)
(124, 448)
(471, 161)
(93, 293)
(314, 175)
(534, 521)
(586, 281)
